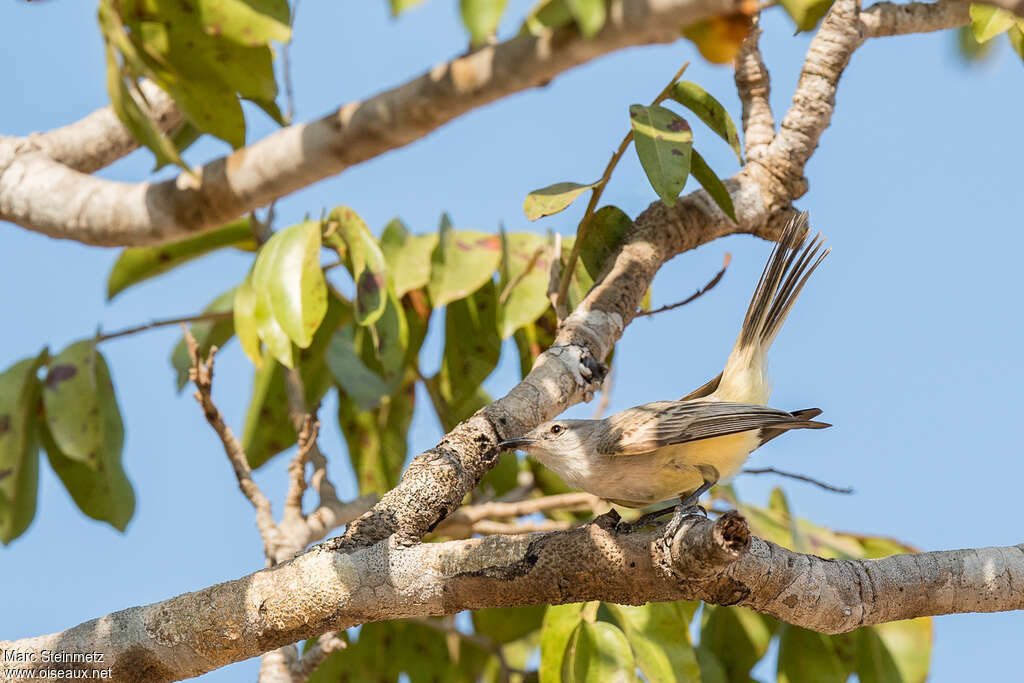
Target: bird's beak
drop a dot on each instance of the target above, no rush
(512, 444)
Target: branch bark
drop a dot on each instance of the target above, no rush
(46, 196)
(718, 562)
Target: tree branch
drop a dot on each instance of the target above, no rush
(754, 88)
(45, 196)
(718, 562)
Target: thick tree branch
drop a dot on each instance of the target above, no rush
(717, 562)
(45, 196)
(754, 88)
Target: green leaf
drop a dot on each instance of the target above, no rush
(1016, 36)
(553, 198)
(807, 656)
(899, 651)
(365, 262)
(268, 426)
(137, 264)
(472, 347)
(104, 492)
(248, 22)
(524, 281)
(658, 635)
(505, 624)
(461, 263)
(546, 16)
(207, 333)
(602, 655)
(407, 256)
(806, 13)
(481, 18)
(377, 438)
(72, 402)
(590, 15)
(244, 320)
(293, 280)
(385, 344)
(711, 670)
(399, 6)
(970, 49)
(710, 111)
(19, 450)
(709, 181)
(557, 628)
(663, 143)
(737, 637)
(362, 385)
(605, 230)
(987, 21)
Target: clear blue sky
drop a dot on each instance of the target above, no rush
(908, 337)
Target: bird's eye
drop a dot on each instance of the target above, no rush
(556, 429)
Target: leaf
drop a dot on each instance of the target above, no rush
(19, 450)
(360, 384)
(899, 651)
(605, 231)
(663, 143)
(72, 402)
(505, 624)
(807, 656)
(295, 282)
(481, 18)
(377, 438)
(552, 199)
(207, 333)
(557, 627)
(1016, 36)
(711, 670)
(737, 637)
(602, 655)
(472, 348)
(407, 257)
(399, 6)
(461, 263)
(268, 426)
(364, 261)
(244, 320)
(248, 22)
(138, 264)
(987, 21)
(661, 644)
(719, 38)
(806, 13)
(590, 15)
(524, 281)
(104, 492)
(710, 111)
(710, 182)
(546, 16)
(385, 343)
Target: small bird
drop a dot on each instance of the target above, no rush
(667, 449)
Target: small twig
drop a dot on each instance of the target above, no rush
(286, 67)
(799, 477)
(696, 295)
(153, 324)
(201, 375)
(507, 291)
(325, 644)
(297, 467)
(561, 309)
(296, 390)
(555, 271)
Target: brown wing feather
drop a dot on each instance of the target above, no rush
(654, 425)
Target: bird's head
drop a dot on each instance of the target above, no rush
(558, 438)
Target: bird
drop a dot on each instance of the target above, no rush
(664, 450)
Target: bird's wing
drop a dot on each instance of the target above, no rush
(651, 426)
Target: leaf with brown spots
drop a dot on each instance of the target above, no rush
(461, 263)
(552, 199)
(407, 256)
(523, 290)
(365, 262)
(710, 111)
(19, 450)
(663, 142)
(72, 403)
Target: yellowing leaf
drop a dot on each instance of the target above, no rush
(524, 281)
(481, 18)
(806, 13)
(246, 327)
(295, 282)
(590, 15)
(248, 22)
(365, 263)
(602, 655)
(710, 111)
(896, 651)
(552, 199)
(719, 38)
(461, 263)
(557, 627)
(546, 16)
(987, 21)
(137, 264)
(1016, 36)
(407, 256)
(663, 142)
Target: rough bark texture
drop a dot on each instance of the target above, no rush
(718, 562)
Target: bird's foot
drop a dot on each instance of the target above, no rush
(679, 515)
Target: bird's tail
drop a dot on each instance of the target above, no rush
(791, 263)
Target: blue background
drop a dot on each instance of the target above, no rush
(908, 337)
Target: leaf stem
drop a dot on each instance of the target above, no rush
(153, 324)
(561, 309)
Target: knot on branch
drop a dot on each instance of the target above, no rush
(702, 549)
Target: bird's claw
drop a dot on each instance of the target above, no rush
(679, 515)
